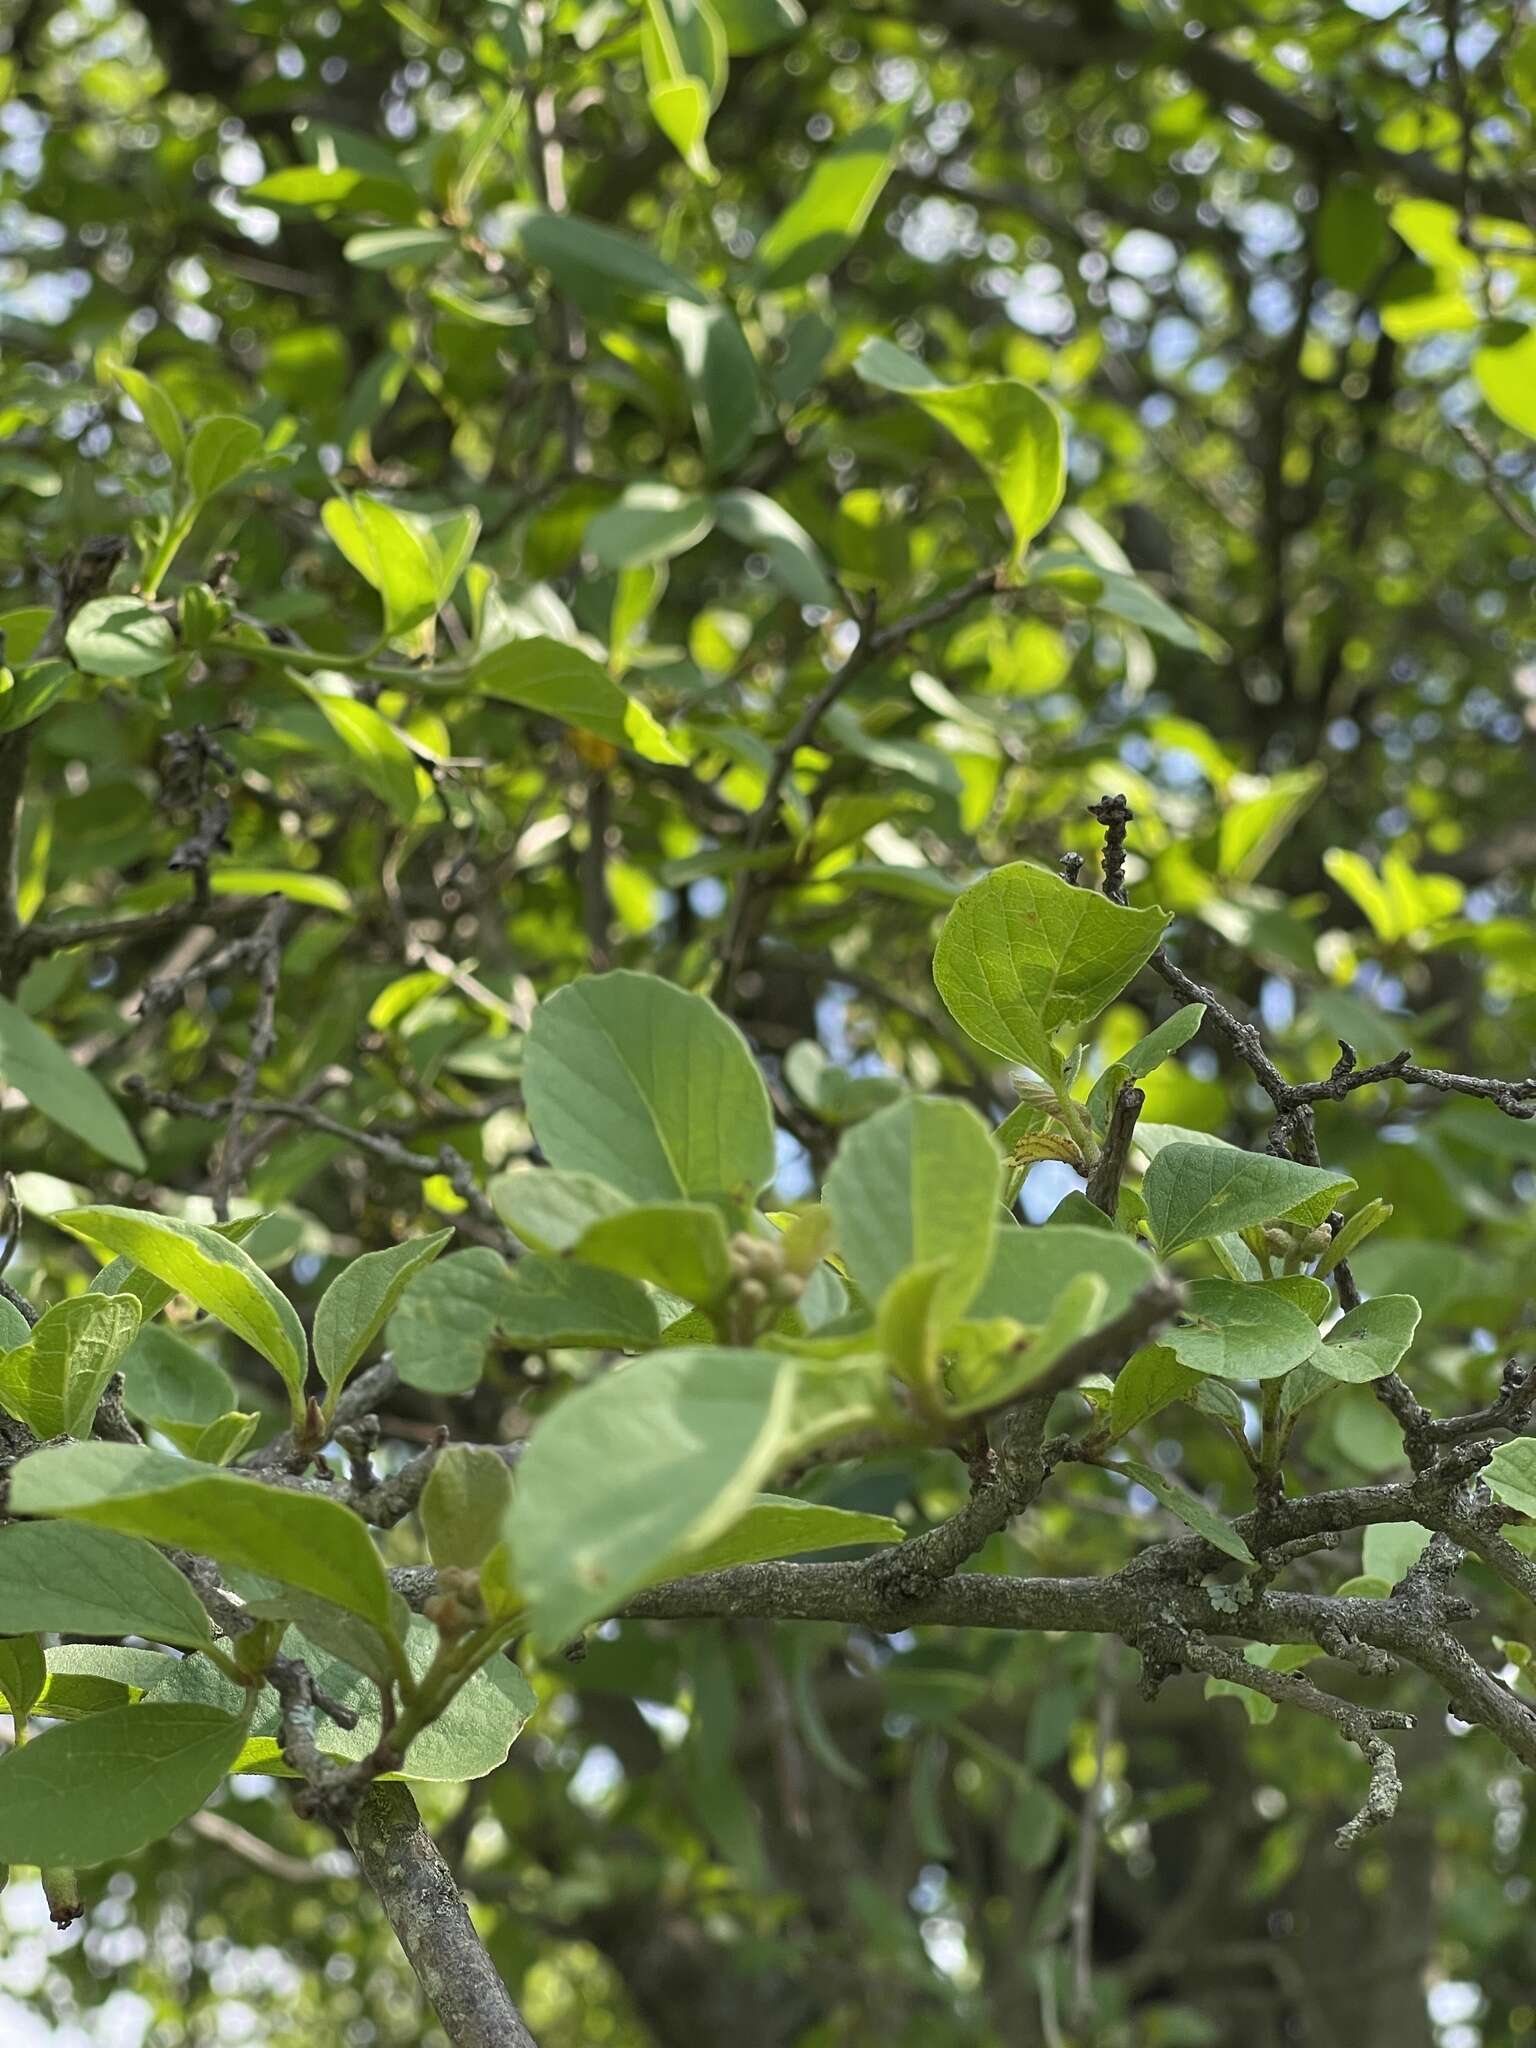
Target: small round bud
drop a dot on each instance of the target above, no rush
(752, 1294)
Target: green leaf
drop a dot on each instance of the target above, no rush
(1197, 1191)
(221, 450)
(1146, 1384)
(1022, 955)
(210, 1271)
(120, 637)
(23, 1675)
(996, 1372)
(446, 1318)
(22, 631)
(14, 1327)
(1031, 1268)
(36, 690)
(65, 1578)
(1368, 1342)
(1190, 1509)
(1506, 376)
(412, 559)
(778, 1526)
(1391, 1549)
(63, 1091)
(1511, 1474)
(156, 409)
(682, 46)
(1240, 1332)
(650, 1461)
(561, 681)
(88, 1678)
(91, 1791)
(793, 558)
(827, 215)
(602, 271)
(1146, 1056)
(299, 1537)
(548, 1209)
(918, 1184)
(648, 523)
(549, 1303)
(360, 1300)
(469, 1739)
(721, 373)
(1353, 240)
(54, 1382)
(381, 756)
(218, 1442)
(680, 1246)
(1013, 434)
(122, 1276)
(322, 892)
(398, 248)
(345, 187)
(463, 1505)
(648, 1087)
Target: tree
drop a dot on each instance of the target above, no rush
(764, 987)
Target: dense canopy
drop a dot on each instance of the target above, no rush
(767, 975)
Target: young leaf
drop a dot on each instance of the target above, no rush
(221, 449)
(300, 1537)
(548, 1209)
(218, 1442)
(156, 409)
(66, 1578)
(54, 1382)
(549, 1303)
(1368, 1342)
(412, 559)
(1190, 1509)
(91, 1791)
(360, 1300)
(682, 47)
(1240, 1333)
(828, 214)
(914, 1185)
(996, 1373)
(627, 1472)
(648, 1087)
(58, 1088)
(208, 1269)
(680, 1246)
(1147, 1055)
(1022, 956)
(1197, 1191)
(466, 1497)
(1014, 435)
(380, 756)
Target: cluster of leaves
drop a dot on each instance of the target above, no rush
(502, 499)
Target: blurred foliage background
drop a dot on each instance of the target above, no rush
(1274, 262)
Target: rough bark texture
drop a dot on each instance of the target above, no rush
(417, 1891)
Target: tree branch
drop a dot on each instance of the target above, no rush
(422, 1904)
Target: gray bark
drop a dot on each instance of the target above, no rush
(422, 1903)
